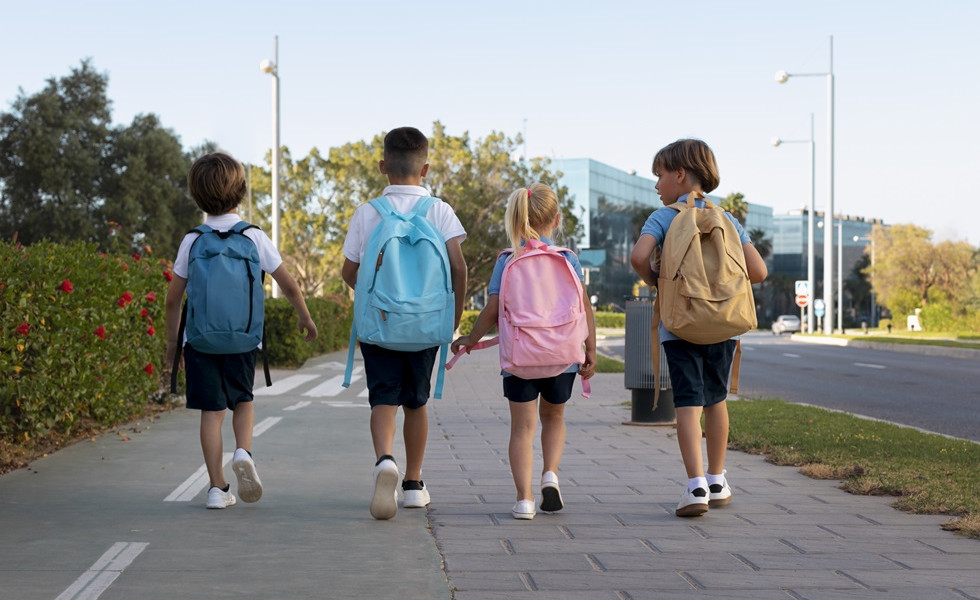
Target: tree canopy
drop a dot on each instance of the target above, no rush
(66, 173)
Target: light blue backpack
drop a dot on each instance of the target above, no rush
(404, 297)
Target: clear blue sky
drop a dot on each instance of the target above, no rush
(612, 80)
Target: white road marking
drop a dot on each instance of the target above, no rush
(199, 481)
(100, 575)
(330, 387)
(284, 385)
(299, 405)
(791, 355)
(265, 425)
(870, 366)
(344, 404)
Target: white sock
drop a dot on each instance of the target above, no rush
(716, 479)
(697, 482)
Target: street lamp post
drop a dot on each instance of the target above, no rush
(874, 306)
(840, 271)
(811, 210)
(272, 67)
(828, 236)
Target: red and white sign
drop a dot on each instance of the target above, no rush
(803, 301)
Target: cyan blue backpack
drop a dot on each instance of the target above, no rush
(404, 296)
(224, 312)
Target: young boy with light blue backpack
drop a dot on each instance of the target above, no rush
(404, 261)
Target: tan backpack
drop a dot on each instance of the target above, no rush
(703, 289)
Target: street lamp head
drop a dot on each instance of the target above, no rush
(782, 76)
(267, 66)
(776, 142)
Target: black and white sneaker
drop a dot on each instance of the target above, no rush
(384, 502)
(694, 503)
(551, 500)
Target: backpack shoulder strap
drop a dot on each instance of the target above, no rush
(241, 226)
(423, 205)
(382, 205)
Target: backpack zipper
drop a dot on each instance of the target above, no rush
(251, 282)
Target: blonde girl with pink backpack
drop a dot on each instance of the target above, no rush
(547, 335)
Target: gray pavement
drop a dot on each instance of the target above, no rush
(783, 536)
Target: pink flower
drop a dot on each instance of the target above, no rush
(149, 368)
(136, 257)
(144, 313)
(150, 330)
(168, 276)
(100, 331)
(23, 328)
(151, 297)
(66, 286)
(127, 296)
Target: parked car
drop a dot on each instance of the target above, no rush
(785, 324)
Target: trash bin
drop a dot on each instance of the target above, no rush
(639, 375)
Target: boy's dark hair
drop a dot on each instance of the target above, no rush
(694, 156)
(217, 183)
(406, 152)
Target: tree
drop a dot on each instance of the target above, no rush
(735, 203)
(66, 173)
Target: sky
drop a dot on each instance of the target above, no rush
(611, 80)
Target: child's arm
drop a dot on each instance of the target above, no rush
(457, 271)
(483, 324)
(587, 369)
(640, 258)
(175, 294)
(754, 263)
(295, 296)
(349, 272)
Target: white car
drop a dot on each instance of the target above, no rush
(786, 324)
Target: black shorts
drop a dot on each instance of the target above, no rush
(218, 381)
(554, 390)
(699, 373)
(396, 378)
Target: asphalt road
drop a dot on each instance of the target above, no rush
(934, 393)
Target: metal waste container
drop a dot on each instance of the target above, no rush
(639, 375)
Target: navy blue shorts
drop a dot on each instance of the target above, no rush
(699, 373)
(396, 378)
(218, 381)
(554, 390)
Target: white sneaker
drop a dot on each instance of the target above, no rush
(551, 500)
(694, 503)
(218, 498)
(416, 495)
(249, 484)
(384, 502)
(524, 509)
(719, 494)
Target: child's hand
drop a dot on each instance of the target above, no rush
(307, 325)
(461, 341)
(587, 369)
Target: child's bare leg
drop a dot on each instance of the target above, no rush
(523, 426)
(716, 430)
(243, 421)
(416, 431)
(383, 429)
(689, 439)
(211, 421)
(552, 434)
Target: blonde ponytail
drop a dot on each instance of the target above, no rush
(529, 209)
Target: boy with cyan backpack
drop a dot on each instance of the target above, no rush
(704, 276)
(220, 265)
(403, 260)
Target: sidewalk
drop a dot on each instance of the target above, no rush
(783, 536)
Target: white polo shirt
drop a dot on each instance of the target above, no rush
(269, 257)
(403, 199)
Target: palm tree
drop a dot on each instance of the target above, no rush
(735, 203)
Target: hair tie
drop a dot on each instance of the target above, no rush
(529, 192)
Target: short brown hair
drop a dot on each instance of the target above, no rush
(406, 152)
(217, 183)
(694, 156)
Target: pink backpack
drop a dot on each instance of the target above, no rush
(542, 319)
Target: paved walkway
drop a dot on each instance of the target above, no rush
(123, 516)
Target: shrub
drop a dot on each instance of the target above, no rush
(284, 343)
(610, 320)
(82, 336)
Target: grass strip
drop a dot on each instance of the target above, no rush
(605, 364)
(926, 473)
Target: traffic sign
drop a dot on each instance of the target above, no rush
(802, 301)
(802, 287)
(818, 307)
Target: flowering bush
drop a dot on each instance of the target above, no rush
(76, 336)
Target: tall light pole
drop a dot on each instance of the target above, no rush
(828, 234)
(811, 212)
(840, 271)
(272, 67)
(874, 306)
